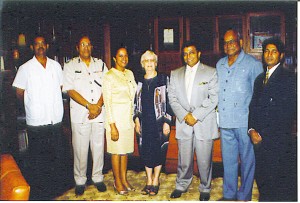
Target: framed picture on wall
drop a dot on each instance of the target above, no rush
(168, 35)
(259, 38)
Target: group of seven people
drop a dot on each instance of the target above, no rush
(255, 109)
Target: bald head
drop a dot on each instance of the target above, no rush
(232, 43)
(231, 33)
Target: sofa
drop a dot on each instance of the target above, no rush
(13, 185)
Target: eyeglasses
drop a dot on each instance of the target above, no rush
(40, 43)
(231, 42)
(85, 45)
(149, 61)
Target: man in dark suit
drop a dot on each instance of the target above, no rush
(272, 111)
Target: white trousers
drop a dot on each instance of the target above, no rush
(83, 136)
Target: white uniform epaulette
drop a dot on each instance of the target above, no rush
(69, 60)
(72, 60)
(97, 59)
(77, 59)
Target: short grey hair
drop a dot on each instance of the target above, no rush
(148, 53)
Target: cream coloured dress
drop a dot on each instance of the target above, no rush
(118, 94)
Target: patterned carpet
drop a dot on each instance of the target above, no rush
(138, 179)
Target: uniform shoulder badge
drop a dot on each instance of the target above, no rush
(96, 59)
(69, 60)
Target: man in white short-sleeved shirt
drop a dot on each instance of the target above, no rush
(38, 84)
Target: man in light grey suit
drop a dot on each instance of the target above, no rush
(193, 96)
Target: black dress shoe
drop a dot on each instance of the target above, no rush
(176, 193)
(204, 196)
(100, 186)
(79, 189)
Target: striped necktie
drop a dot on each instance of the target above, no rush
(267, 77)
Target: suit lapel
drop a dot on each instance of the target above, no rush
(274, 77)
(181, 75)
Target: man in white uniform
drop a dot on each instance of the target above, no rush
(38, 84)
(83, 82)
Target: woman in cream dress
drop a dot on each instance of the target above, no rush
(119, 88)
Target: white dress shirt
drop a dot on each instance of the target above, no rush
(271, 71)
(190, 73)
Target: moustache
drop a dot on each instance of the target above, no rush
(268, 58)
(41, 49)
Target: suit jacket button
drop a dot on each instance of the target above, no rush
(271, 99)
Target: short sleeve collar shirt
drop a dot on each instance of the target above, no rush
(42, 95)
(236, 88)
(87, 81)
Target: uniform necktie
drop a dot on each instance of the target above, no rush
(267, 77)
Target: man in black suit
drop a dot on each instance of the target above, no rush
(272, 111)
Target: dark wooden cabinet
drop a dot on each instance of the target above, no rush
(260, 26)
(253, 28)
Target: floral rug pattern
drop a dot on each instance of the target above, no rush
(138, 180)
